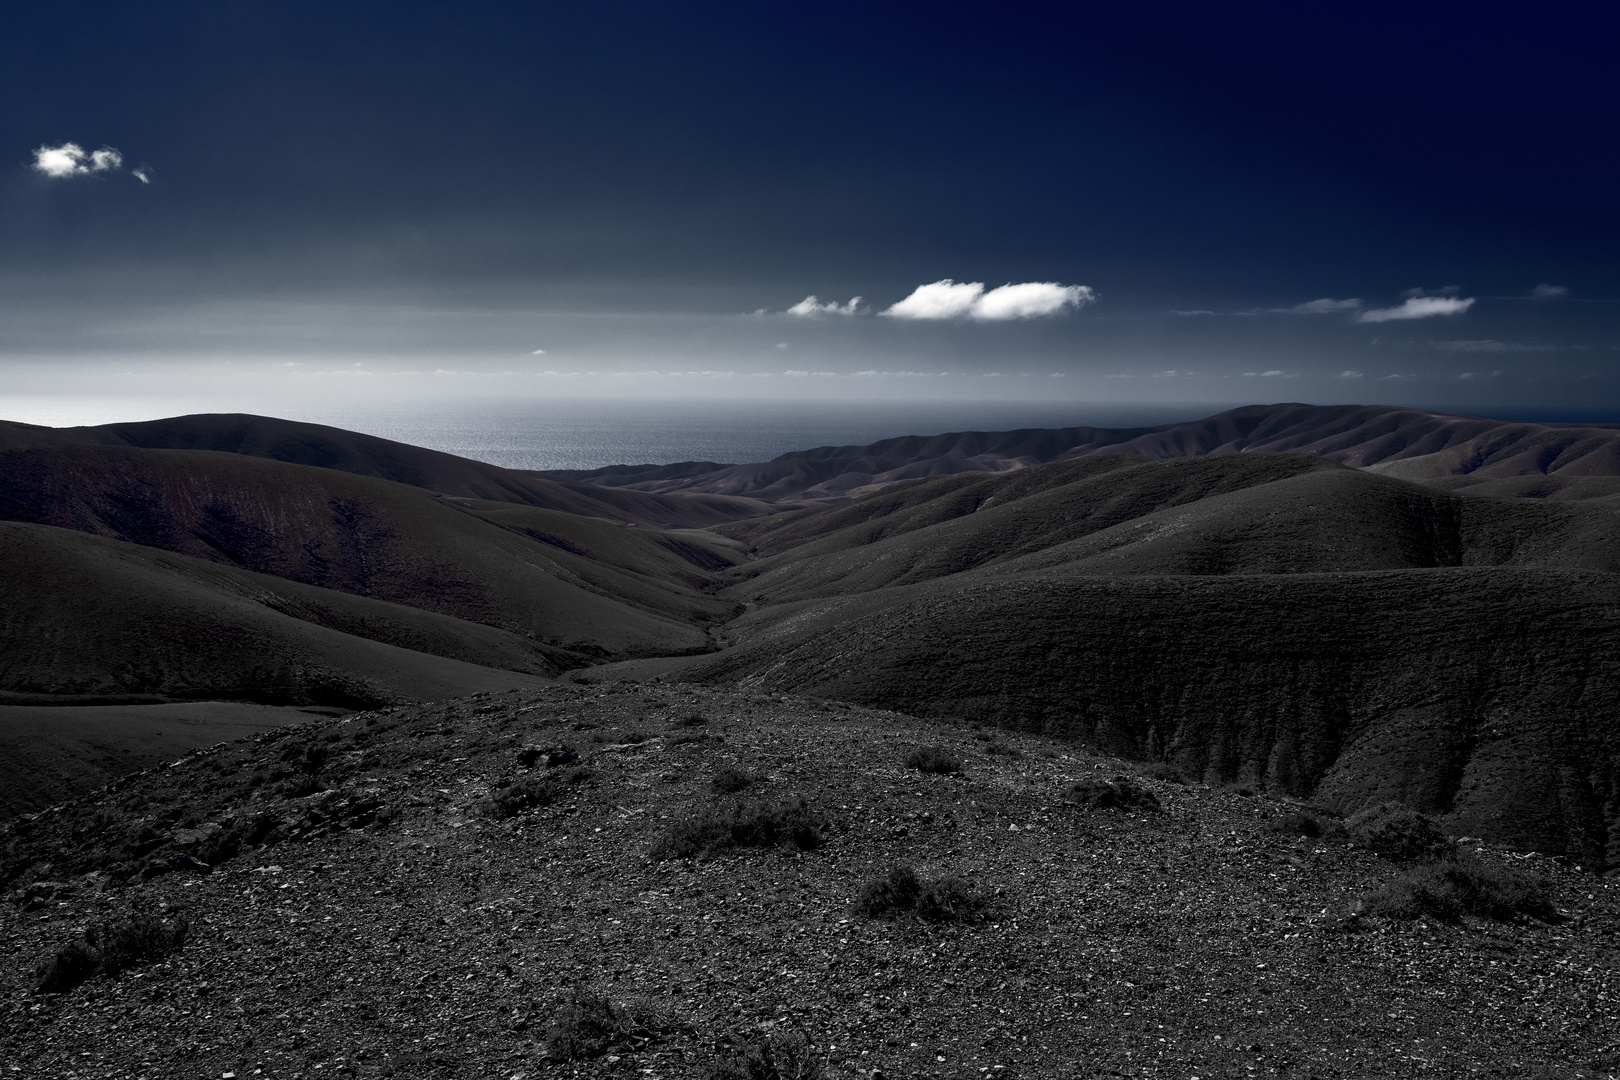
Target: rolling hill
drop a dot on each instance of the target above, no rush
(1415, 444)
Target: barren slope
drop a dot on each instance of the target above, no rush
(387, 926)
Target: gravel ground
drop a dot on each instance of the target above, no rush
(391, 924)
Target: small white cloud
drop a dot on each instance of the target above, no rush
(948, 299)
(1274, 373)
(1398, 378)
(1055, 375)
(143, 174)
(942, 300)
(1475, 375)
(1348, 375)
(538, 352)
(1545, 291)
(69, 159)
(810, 307)
(1058, 374)
(1031, 300)
(781, 344)
(1324, 306)
(796, 374)
(1419, 307)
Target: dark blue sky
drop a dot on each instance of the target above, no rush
(641, 191)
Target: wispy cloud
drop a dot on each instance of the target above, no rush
(1419, 307)
(1274, 373)
(70, 159)
(810, 307)
(538, 352)
(143, 174)
(1491, 345)
(1349, 375)
(948, 299)
(1545, 291)
(1398, 378)
(1469, 376)
(1324, 306)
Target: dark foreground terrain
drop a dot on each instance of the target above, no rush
(416, 892)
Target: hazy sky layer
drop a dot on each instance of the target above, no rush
(263, 203)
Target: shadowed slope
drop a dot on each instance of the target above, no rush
(374, 538)
(1486, 695)
(1254, 513)
(88, 616)
(366, 455)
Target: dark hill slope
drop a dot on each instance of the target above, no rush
(367, 455)
(1418, 444)
(374, 538)
(82, 615)
(1253, 513)
(1489, 696)
(390, 925)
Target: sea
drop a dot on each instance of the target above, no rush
(590, 433)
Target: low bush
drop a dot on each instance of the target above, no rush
(527, 793)
(930, 759)
(107, 948)
(767, 1056)
(1398, 833)
(1165, 773)
(690, 720)
(900, 890)
(1119, 793)
(1304, 823)
(1463, 885)
(591, 1024)
(729, 780)
(751, 823)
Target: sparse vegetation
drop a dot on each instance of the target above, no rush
(1463, 885)
(513, 797)
(1309, 825)
(1120, 793)
(1165, 773)
(690, 720)
(901, 890)
(750, 823)
(930, 759)
(728, 780)
(767, 1056)
(1397, 832)
(591, 1024)
(107, 948)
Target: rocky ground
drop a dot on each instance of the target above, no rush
(367, 897)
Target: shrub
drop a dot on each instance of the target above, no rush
(1307, 824)
(997, 747)
(933, 760)
(729, 780)
(1116, 794)
(527, 793)
(753, 823)
(1459, 885)
(890, 893)
(1164, 772)
(591, 1024)
(1398, 833)
(107, 948)
(764, 1056)
(900, 890)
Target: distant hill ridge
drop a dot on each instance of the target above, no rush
(1443, 449)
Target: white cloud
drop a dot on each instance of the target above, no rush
(1419, 307)
(1274, 373)
(948, 299)
(781, 345)
(69, 159)
(1348, 375)
(143, 174)
(1030, 300)
(538, 352)
(1324, 306)
(1545, 291)
(1398, 378)
(796, 374)
(810, 307)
